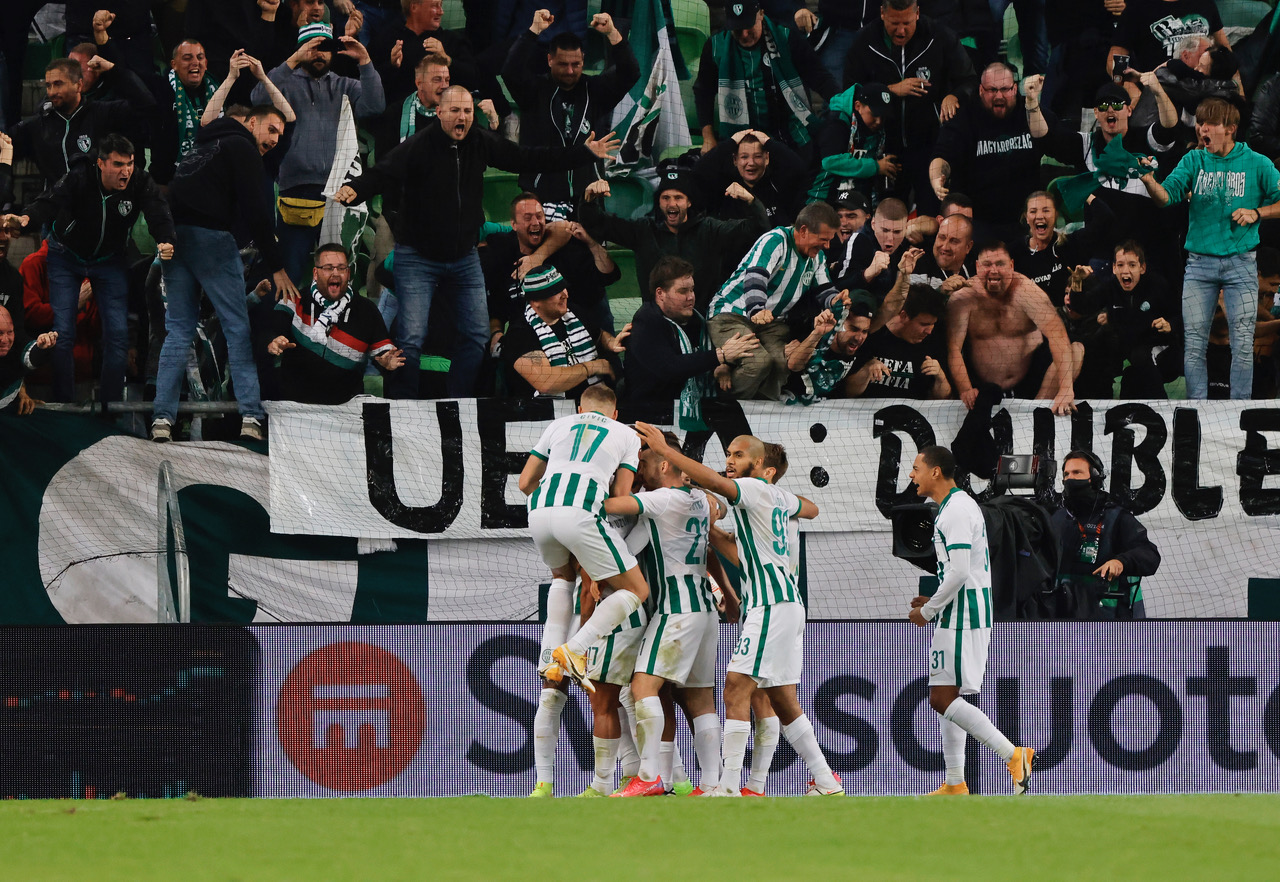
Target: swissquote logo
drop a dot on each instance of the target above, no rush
(350, 716)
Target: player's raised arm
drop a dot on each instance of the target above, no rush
(808, 509)
(702, 475)
(532, 473)
(623, 479)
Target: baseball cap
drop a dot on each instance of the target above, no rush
(740, 14)
(875, 96)
(1110, 93)
(861, 303)
(853, 201)
(542, 282)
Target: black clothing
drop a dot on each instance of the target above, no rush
(315, 378)
(440, 183)
(521, 339)
(95, 224)
(11, 292)
(1152, 29)
(397, 82)
(224, 27)
(551, 116)
(574, 261)
(858, 254)
(993, 161)
(656, 368)
(904, 361)
(1105, 532)
(220, 184)
(780, 190)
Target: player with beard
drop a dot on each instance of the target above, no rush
(986, 150)
(770, 653)
(1006, 331)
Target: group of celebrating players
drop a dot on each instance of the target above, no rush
(652, 594)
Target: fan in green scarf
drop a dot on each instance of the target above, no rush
(750, 82)
(188, 111)
(1111, 162)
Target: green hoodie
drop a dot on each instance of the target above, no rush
(1219, 185)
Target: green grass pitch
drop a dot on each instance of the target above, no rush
(988, 838)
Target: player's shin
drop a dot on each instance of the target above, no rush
(559, 618)
(546, 733)
(953, 739)
(606, 759)
(972, 720)
(649, 723)
(762, 750)
(800, 735)
(733, 752)
(706, 744)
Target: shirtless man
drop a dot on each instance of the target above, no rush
(1010, 323)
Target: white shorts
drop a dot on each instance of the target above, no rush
(959, 658)
(562, 531)
(770, 648)
(612, 658)
(681, 648)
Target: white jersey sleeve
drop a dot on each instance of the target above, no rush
(678, 521)
(582, 452)
(960, 542)
(762, 513)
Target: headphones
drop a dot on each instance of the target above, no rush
(1097, 472)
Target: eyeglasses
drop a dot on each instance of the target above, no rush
(334, 268)
(1111, 105)
(995, 90)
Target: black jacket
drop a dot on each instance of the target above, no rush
(656, 368)
(220, 183)
(934, 51)
(1119, 535)
(440, 183)
(95, 224)
(52, 141)
(543, 103)
(781, 189)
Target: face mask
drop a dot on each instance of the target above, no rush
(1078, 494)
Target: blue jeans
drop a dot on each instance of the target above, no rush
(110, 280)
(417, 280)
(833, 52)
(1032, 33)
(208, 259)
(1237, 277)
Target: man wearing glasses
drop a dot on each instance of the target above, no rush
(986, 150)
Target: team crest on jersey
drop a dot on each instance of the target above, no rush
(124, 207)
(924, 73)
(806, 277)
(84, 143)
(884, 97)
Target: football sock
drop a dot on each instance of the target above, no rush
(979, 725)
(735, 748)
(666, 756)
(649, 721)
(628, 751)
(953, 738)
(706, 744)
(610, 613)
(762, 752)
(799, 734)
(678, 774)
(546, 733)
(606, 759)
(559, 616)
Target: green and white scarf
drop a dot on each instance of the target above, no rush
(732, 96)
(330, 312)
(188, 113)
(580, 348)
(698, 386)
(823, 371)
(409, 113)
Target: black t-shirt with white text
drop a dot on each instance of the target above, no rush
(904, 361)
(1152, 29)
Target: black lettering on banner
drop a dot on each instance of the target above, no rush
(1217, 686)
(903, 730)
(1044, 437)
(888, 421)
(1082, 427)
(1002, 435)
(499, 463)
(481, 686)
(1257, 461)
(1125, 454)
(1168, 712)
(1061, 717)
(827, 711)
(1195, 502)
(1271, 722)
(379, 457)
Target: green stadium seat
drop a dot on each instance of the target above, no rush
(455, 17)
(630, 197)
(691, 41)
(500, 188)
(691, 14)
(40, 54)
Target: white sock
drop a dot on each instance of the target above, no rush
(610, 613)
(953, 738)
(666, 756)
(979, 725)
(649, 721)
(735, 748)
(559, 616)
(762, 752)
(678, 774)
(706, 744)
(606, 759)
(628, 749)
(546, 733)
(799, 734)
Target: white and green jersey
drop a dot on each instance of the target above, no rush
(960, 525)
(582, 452)
(632, 531)
(677, 521)
(772, 276)
(761, 516)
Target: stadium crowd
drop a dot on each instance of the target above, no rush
(878, 204)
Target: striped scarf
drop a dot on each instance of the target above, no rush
(409, 113)
(580, 348)
(188, 113)
(331, 312)
(732, 96)
(698, 386)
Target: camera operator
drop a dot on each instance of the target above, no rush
(1104, 550)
